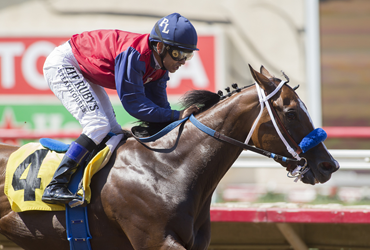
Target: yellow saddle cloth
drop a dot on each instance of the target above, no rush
(31, 168)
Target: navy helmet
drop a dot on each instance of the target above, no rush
(175, 30)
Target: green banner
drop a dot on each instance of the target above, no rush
(48, 118)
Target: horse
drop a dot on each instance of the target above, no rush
(157, 195)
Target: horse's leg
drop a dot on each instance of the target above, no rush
(35, 230)
(202, 240)
(153, 239)
(203, 236)
(171, 244)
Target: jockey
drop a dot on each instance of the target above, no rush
(136, 65)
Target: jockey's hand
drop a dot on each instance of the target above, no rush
(187, 112)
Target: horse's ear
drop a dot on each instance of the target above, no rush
(264, 82)
(265, 72)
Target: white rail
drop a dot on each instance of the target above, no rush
(348, 160)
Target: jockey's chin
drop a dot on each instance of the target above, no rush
(171, 65)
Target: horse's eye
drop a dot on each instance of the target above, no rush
(291, 115)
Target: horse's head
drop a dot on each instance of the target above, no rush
(294, 125)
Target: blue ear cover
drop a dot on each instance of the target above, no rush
(312, 139)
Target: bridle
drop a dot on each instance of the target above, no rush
(300, 162)
(265, 101)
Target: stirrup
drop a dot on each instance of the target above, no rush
(78, 202)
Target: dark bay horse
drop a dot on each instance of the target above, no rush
(158, 195)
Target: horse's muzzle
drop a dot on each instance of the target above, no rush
(322, 174)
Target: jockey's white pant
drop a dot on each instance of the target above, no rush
(86, 101)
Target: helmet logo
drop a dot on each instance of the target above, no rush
(165, 22)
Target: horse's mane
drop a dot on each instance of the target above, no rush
(204, 99)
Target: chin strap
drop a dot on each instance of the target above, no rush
(164, 51)
(163, 67)
(161, 55)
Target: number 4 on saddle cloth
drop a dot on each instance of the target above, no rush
(32, 166)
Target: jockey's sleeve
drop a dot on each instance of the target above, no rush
(156, 91)
(148, 105)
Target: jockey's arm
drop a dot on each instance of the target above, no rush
(132, 93)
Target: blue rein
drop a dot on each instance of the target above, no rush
(311, 140)
(173, 125)
(161, 133)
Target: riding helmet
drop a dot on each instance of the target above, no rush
(175, 30)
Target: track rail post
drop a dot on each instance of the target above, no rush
(291, 236)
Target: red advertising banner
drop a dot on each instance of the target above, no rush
(22, 59)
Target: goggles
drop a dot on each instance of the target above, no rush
(179, 55)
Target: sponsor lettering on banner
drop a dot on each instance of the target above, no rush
(25, 119)
(22, 59)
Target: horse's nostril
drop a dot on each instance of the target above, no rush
(328, 166)
(336, 166)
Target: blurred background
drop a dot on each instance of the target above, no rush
(323, 46)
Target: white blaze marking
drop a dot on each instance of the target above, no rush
(303, 107)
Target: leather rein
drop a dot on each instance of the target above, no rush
(242, 145)
(299, 162)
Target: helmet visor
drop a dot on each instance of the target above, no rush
(178, 54)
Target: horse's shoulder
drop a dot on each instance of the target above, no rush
(7, 147)
(6, 150)
(127, 144)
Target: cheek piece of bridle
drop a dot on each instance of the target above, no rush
(311, 140)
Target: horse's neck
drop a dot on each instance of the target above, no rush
(232, 117)
(5, 152)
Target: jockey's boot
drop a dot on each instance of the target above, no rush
(57, 191)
